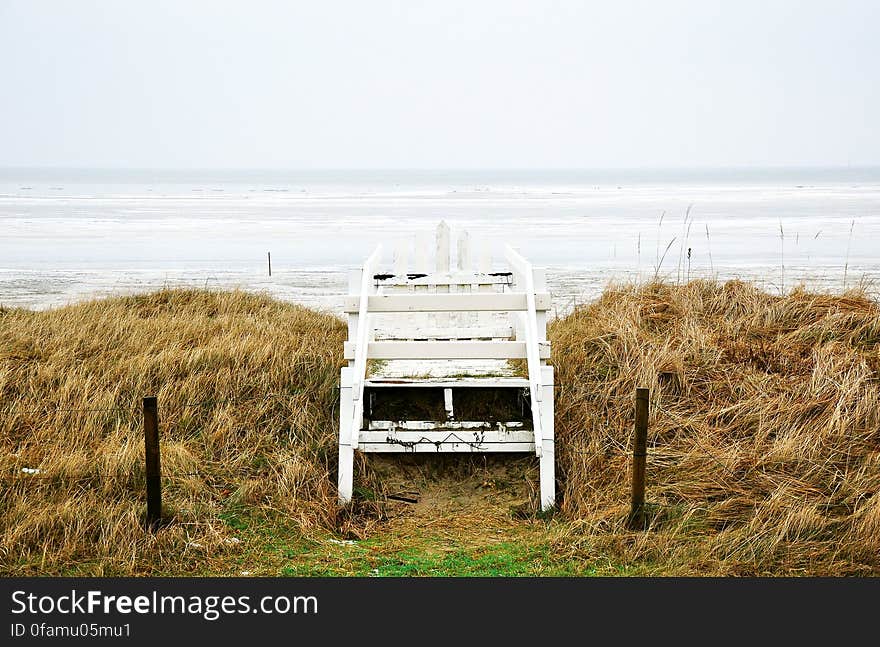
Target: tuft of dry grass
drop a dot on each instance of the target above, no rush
(764, 438)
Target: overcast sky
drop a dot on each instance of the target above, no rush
(445, 84)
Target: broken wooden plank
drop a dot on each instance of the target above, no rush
(447, 436)
(449, 447)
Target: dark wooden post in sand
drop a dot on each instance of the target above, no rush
(270, 262)
(640, 453)
(153, 470)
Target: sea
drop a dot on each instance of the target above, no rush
(67, 235)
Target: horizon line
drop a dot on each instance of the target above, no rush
(730, 167)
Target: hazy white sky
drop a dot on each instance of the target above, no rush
(376, 84)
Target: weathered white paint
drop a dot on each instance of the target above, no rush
(442, 264)
(540, 311)
(461, 302)
(450, 318)
(447, 278)
(346, 473)
(484, 253)
(486, 284)
(452, 446)
(364, 334)
(463, 371)
(346, 447)
(425, 333)
(464, 251)
(547, 460)
(470, 426)
(401, 257)
(448, 435)
(443, 247)
(447, 403)
(422, 257)
(445, 350)
(442, 383)
(354, 286)
(461, 319)
(524, 271)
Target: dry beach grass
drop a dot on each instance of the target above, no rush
(240, 419)
(764, 436)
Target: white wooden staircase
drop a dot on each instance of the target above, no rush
(447, 360)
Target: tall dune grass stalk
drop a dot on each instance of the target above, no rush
(685, 232)
(639, 255)
(848, 245)
(662, 258)
(657, 251)
(709, 249)
(782, 255)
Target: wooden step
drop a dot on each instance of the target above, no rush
(452, 446)
(447, 383)
(452, 302)
(447, 350)
(454, 278)
(500, 432)
(445, 333)
(446, 439)
(447, 436)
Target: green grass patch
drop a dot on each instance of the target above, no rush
(432, 557)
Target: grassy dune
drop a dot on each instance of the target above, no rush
(764, 437)
(764, 443)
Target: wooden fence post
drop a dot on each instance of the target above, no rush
(640, 453)
(153, 469)
(270, 262)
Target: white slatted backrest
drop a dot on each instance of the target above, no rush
(422, 256)
(401, 256)
(484, 266)
(464, 251)
(442, 265)
(441, 260)
(464, 266)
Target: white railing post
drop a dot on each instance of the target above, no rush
(524, 269)
(540, 315)
(354, 287)
(547, 474)
(361, 344)
(345, 479)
